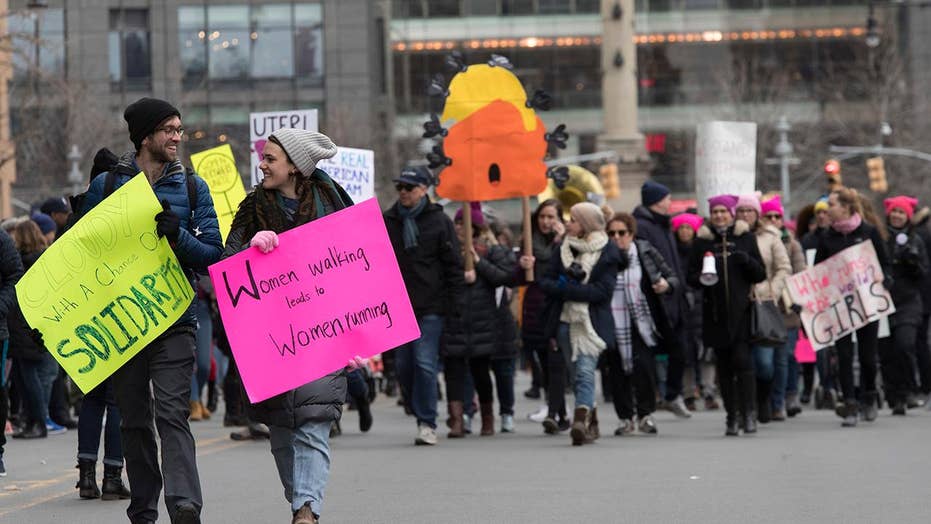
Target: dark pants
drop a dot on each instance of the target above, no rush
(356, 386)
(923, 355)
(96, 402)
(166, 363)
(4, 397)
(59, 407)
(455, 370)
(897, 354)
(677, 361)
(37, 377)
(535, 354)
(557, 363)
(503, 369)
(866, 349)
(738, 382)
(640, 384)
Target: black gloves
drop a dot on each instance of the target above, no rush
(796, 308)
(741, 257)
(168, 224)
(36, 337)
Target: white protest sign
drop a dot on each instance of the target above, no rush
(354, 169)
(725, 160)
(261, 125)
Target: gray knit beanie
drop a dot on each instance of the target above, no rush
(589, 216)
(305, 148)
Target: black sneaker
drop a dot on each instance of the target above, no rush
(186, 514)
(533, 393)
(2, 467)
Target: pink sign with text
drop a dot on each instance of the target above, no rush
(330, 290)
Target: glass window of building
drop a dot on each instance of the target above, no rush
(308, 30)
(273, 45)
(228, 39)
(192, 32)
(517, 7)
(587, 6)
(483, 7)
(38, 43)
(445, 7)
(129, 52)
(550, 7)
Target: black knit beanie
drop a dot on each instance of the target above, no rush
(144, 115)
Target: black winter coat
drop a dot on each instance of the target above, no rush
(477, 331)
(909, 270)
(655, 267)
(21, 343)
(433, 270)
(693, 295)
(532, 322)
(831, 242)
(655, 229)
(597, 292)
(920, 228)
(11, 269)
(726, 305)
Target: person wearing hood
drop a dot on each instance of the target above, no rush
(786, 371)
(778, 267)
(909, 269)
(848, 228)
(579, 286)
(726, 305)
(653, 225)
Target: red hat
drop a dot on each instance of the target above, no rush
(905, 203)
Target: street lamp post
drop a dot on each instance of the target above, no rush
(74, 176)
(784, 158)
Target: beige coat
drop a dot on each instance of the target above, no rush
(797, 257)
(776, 260)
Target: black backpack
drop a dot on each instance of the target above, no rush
(106, 161)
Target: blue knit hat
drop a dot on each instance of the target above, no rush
(45, 222)
(652, 192)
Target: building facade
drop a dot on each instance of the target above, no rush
(78, 63)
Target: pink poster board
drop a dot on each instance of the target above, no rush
(330, 291)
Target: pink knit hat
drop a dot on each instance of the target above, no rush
(687, 219)
(728, 201)
(772, 205)
(905, 203)
(751, 201)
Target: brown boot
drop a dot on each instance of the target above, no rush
(304, 516)
(593, 431)
(488, 419)
(456, 429)
(204, 412)
(580, 421)
(196, 415)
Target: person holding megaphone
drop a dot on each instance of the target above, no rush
(726, 263)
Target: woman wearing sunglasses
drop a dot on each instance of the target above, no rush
(636, 306)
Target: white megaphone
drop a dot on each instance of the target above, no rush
(709, 273)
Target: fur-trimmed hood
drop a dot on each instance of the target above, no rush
(740, 228)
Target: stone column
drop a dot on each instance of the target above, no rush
(621, 132)
(7, 149)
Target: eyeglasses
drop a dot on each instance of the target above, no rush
(773, 216)
(618, 233)
(405, 187)
(171, 131)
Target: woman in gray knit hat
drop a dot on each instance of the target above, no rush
(292, 193)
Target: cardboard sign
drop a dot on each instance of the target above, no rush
(725, 160)
(496, 142)
(354, 169)
(262, 125)
(841, 294)
(331, 290)
(107, 288)
(218, 168)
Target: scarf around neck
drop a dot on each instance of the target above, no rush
(848, 225)
(409, 218)
(583, 338)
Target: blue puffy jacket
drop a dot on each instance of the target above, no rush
(199, 243)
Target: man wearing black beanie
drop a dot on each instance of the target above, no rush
(189, 222)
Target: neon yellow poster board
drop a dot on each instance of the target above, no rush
(218, 168)
(107, 287)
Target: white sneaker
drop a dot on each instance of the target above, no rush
(677, 407)
(426, 436)
(539, 415)
(507, 423)
(466, 424)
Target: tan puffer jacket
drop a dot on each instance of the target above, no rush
(776, 260)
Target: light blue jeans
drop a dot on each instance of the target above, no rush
(585, 380)
(303, 458)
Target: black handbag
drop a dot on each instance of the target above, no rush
(767, 327)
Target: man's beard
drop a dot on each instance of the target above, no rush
(162, 155)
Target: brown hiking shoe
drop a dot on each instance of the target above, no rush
(304, 516)
(580, 422)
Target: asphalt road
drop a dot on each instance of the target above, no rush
(806, 470)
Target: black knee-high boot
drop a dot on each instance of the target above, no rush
(763, 402)
(746, 386)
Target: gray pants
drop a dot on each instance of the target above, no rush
(167, 363)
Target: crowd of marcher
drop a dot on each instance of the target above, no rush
(657, 308)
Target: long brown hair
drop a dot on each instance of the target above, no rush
(28, 237)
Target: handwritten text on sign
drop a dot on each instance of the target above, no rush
(107, 287)
(330, 291)
(218, 168)
(263, 125)
(725, 160)
(841, 294)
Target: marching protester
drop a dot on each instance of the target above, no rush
(579, 285)
(472, 338)
(920, 226)
(653, 225)
(547, 229)
(643, 277)
(165, 366)
(848, 228)
(785, 401)
(294, 192)
(699, 373)
(778, 267)
(909, 257)
(428, 254)
(11, 269)
(730, 248)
